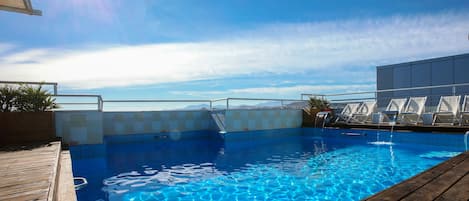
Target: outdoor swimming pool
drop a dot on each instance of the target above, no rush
(287, 164)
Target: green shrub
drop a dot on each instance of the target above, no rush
(26, 99)
(8, 99)
(316, 103)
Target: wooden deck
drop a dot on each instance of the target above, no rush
(29, 172)
(446, 181)
(66, 188)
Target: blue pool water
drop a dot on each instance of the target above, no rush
(288, 164)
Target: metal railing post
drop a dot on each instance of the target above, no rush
(454, 90)
(211, 106)
(227, 103)
(100, 103)
(55, 89)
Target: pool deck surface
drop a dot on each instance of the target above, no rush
(29, 172)
(446, 181)
(416, 128)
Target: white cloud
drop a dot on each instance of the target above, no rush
(34, 56)
(278, 48)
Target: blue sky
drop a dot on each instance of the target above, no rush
(214, 49)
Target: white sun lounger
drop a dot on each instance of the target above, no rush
(413, 111)
(364, 112)
(464, 119)
(347, 112)
(447, 111)
(395, 107)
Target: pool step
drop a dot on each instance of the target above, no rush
(219, 119)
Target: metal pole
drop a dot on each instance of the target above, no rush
(211, 108)
(227, 103)
(55, 89)
(100, 103)
(454, 90)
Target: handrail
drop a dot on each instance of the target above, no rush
(389, 90)
(265, 99)
(99, 102)
(152, 100)
(351, 99)
(211, 102)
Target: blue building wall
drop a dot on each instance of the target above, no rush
(429, 72)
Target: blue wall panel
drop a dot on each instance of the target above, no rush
(421, 76)
(385, 80)
(461, 74)
(402, 79)
(431, 72)
(442, 74)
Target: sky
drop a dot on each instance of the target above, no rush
(200, 49)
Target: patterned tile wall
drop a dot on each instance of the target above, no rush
(123, 123)
(79, 127)
(89, 127)
(248, 120)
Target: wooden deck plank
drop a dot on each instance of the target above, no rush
(28, 172)
(15, 189)
(20, 180)
(40, 194)
(458, 192)
(440, 184)
(430, 184)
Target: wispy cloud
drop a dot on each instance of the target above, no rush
(5, 47)
(334, 47)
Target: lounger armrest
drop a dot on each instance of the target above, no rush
(405, 113)
(443, 113)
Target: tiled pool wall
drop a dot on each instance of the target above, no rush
(79, 127)
(90, 127)
(125, 123)
(262, 119)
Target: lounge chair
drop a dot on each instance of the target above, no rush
(364, 112)
(395, 107)
(464, 119)
(347, 112)
(447, 111)
(413, 111)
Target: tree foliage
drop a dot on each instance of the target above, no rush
(317, 103)
(26, 99)
(8, 98)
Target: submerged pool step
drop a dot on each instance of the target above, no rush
(219, 119)
(354, 134)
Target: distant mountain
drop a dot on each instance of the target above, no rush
(197, 107)
(298, 105)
